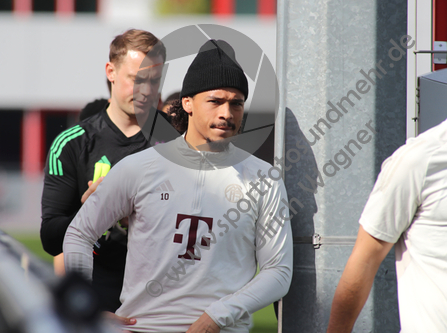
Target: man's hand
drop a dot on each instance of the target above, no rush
(58, 263)
(124, 222)
(204, 325)
(91, 188)
(119, 320)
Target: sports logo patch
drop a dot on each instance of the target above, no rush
(233, 193)
(165, 187)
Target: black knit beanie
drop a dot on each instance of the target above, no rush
(214, 67)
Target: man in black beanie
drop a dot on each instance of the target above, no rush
(215, 67)
(202, 215)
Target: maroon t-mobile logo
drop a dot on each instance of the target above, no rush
(192, 234)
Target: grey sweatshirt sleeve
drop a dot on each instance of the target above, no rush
(274, 254)
(112, 200)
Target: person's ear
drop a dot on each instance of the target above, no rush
(111, 72)
(187, 104)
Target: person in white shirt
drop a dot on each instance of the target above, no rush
(202, 215)
(408, 208)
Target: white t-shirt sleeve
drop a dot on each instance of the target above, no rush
(112, 200)
(274, 254)
(396, 195)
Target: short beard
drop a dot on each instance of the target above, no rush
(218, 146)
(221, 145)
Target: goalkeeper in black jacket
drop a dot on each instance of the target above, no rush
(82, 155)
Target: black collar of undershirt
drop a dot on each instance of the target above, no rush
(136, 137)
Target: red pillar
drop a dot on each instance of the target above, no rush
(439, 25)
(22, 7)
(32, 143)
(65, 8)
(266, 7)
(223, 7)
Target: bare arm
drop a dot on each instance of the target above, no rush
(356, 282)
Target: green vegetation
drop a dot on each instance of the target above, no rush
(32, 242)
(265, 321)
(183, 7)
